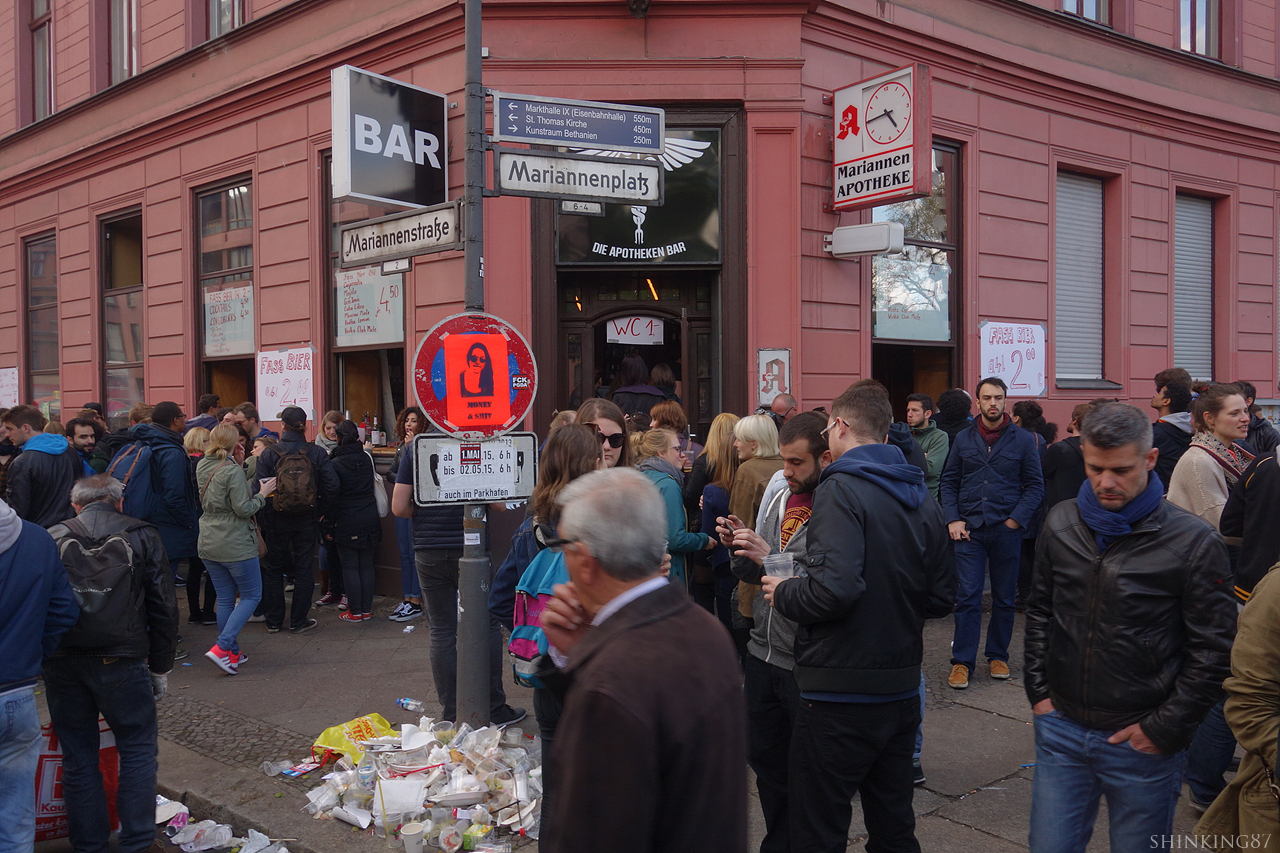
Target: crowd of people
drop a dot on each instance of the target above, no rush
(788, 565)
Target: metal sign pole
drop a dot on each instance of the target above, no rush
(473, 569)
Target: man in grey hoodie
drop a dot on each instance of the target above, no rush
(771, 691)
(1171, 433)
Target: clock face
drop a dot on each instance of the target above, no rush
(888, 113)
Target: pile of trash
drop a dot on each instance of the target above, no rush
(435, 783)
(208, 834)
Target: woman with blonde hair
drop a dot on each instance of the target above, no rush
(720, 462)
(195, 440)
(669, 414)
(756, 440)
(228, 542)
(660, 462)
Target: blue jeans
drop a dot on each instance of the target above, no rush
(999, 547)
(19, 754)
(1210, 755)
(120, 689)
(1075, 766)
(244, 576)
(409, 584)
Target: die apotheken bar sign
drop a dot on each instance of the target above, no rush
(543, 174)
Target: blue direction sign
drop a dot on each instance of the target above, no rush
(581, 124)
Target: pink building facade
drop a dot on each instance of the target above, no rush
(165, 212)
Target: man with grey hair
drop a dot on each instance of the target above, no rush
(651, 688)
(1128, 638)
(114, 662)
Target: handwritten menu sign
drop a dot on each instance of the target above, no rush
(370, 307)
(228, 321)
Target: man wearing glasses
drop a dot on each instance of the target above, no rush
(874, 570)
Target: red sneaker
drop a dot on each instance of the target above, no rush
(237, 659)
(326, 599)
(351, 617)
(222, 658)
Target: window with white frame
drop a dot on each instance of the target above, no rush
(1078, 277)
(1093, 10)
(123, 19)
(1193, 285)
(225, 16)
(1198, 26)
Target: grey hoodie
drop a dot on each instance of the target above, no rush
(774, 635)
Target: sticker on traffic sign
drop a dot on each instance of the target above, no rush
(475, 376)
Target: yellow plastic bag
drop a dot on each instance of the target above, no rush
(345, 738)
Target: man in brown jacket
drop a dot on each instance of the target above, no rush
(650, 752)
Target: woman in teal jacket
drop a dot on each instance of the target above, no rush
(659, 460)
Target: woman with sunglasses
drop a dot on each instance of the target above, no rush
(571, 451)
(660, 462)
(611, 428)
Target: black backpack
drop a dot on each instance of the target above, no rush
(105, 584)
(295, 492)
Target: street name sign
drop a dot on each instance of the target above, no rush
(475, 376)
(585, 124)
(402, 235)
(883, 140)
(544, 174)
(449, 470)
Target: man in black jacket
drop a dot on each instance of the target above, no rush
(875, 569)
(1171, 433)
(1262, 437)
(105, 450)
(291, 539)
(40, 478)
(1128, 640)
(119, 675)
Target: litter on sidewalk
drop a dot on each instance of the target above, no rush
(454, 787)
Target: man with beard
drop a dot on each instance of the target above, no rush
(770, 687)
(85, 435)
(991, 486)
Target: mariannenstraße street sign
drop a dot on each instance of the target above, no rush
(583, 124)
(544, 174)
(402, 235)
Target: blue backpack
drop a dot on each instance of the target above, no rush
(132, 466)
(533, 592)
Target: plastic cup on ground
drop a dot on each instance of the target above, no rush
(780, 565)
(411, 834)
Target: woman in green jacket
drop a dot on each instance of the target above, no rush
(228, 542)
(659, 460)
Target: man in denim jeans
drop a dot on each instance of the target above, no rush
(1129, 629)
(116, 668)
(991, 486)
(39, 608)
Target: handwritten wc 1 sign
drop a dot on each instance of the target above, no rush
(1015, 352)
(634, 330)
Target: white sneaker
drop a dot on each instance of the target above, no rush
(399, 612)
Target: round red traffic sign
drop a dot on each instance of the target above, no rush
(475, 376)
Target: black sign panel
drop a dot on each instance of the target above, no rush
(684, 230)
(389, 140)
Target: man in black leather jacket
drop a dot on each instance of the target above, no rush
(875, 569)
(1128, 640)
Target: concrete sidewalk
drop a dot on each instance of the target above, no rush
(216, 729)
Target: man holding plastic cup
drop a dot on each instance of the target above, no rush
(874, 571)
(776, 547)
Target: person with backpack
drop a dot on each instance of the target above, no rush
(354, 528)
(228, 544)
(524, 580)
(113, 662)
(110, 443)
(40, 478)
(158, 487)
(305, 486)
(38, 608)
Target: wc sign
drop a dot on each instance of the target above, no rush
(388, 140)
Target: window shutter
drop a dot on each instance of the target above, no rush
(1078, 282)
(1193, 286)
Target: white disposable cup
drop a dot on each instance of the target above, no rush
(411, 834)
(780, 565)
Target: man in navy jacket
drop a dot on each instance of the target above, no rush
(991, 486)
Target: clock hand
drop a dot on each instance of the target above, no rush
(889, 113)
(884, 114)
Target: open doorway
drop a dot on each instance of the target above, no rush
(912, 368)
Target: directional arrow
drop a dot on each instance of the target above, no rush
(512, 128)
(512, 117)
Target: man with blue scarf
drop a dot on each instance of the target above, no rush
(47, 466)
(1128, 640)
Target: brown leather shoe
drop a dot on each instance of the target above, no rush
(959, 677)
(999, 669)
